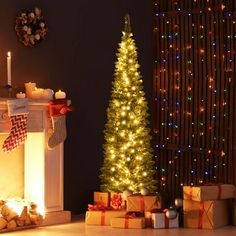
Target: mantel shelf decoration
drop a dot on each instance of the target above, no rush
(31, 27)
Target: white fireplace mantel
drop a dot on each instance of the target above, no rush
(43, 167)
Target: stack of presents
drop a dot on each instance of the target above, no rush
(206, 207)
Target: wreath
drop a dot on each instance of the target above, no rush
(31, 27)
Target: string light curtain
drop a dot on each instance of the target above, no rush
(194, 92)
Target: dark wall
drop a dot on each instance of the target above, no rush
(78, 56)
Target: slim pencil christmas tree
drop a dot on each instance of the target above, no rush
(128, 162)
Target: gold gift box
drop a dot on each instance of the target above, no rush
(102, 217)
(140, 203)
(209, 192)
(207, 214)
(128, 223)
(101, 198)
(105, 199)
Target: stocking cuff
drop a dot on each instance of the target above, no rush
(59, 107)
(17, 106)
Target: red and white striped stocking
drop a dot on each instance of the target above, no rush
(17, 134)
(18, 113)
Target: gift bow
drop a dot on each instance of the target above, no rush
(116, 200)
(130, 216)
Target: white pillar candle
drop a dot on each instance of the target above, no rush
(20, 95)
(37, 93)
(60, 95)
(9, 68)
(29, 87)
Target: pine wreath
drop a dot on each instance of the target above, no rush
(31, 27)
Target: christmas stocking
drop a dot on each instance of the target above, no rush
(57, 110)
(18, 113)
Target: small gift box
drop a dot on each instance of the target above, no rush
(117, 201)
(209, 192)
(142, 203)
(160, 221)
(101, 198)
(128, 222)
(206, 214)
(102, 217)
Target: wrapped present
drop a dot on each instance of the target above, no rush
(101, 198)
(143, 203)
(206, 214)
(102, 217)
(209, 192)
(128, 222)
(117, 201)
(160, 221)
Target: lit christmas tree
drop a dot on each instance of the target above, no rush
(128, 162)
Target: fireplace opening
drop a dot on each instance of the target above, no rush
(21, 204)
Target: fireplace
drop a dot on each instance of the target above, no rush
(32, 171)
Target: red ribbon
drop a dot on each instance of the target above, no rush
(191, 193)
(200, 214)
(103, 214)
(142, 204)
(127, 217)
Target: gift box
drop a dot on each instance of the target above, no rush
(117, 201)
(128, 223)
(102, 217)
(207, 214)
(160, 221)
(101, 198)
(109, 199)
(209, 192)
(142, 203)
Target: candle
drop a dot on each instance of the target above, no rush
(29, 87)
(47, 94)
(9, 68)
(37, 93)
(60, 95)
(20, 95)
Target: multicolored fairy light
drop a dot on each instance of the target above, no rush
(194, 61)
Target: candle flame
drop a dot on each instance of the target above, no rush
(9, 54)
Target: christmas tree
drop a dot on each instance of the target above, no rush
(128, 162)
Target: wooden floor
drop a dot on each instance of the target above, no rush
(79, 228)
